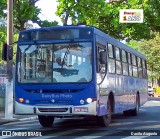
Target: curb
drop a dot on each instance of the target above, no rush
(29, 118)
(5, 121)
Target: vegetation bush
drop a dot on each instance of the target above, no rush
(157, 90)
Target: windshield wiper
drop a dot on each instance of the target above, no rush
(65, 55)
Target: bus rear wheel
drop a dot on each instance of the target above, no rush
(105, 120)
(46, 121)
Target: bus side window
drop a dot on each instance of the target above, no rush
(118, 61)
(111, 60)
(144, 65)
(110, 51)
(124, 62)
(140, 72)
(130, 66)
(101, 67)
(134, 63)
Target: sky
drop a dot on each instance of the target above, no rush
(48, 8)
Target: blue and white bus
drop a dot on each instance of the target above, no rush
(67, 71)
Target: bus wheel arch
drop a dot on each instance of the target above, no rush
(135, 111)
(112, 101)
(105, 120)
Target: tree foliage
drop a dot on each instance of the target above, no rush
(24, 11)
(80, 10)
(105, 16)
(151, 49)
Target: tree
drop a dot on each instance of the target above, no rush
(105, 16)
(80, 10)
(151, 49)
(24, 11)
(2, 35)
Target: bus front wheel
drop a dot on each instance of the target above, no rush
(46, 121)
(105, 120)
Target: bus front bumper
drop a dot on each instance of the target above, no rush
(56, 110)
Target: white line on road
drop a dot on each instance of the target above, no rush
(135, 137)
(97, 135)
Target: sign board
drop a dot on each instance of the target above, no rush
(131, 16)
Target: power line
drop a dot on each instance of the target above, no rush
(45, 16)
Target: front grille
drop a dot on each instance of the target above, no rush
(55, 101)
(54, 90)
(53, 109)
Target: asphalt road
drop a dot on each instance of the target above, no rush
(123, 127)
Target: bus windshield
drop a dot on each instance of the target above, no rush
(55, 63)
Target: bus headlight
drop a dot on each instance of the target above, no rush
(89, 100)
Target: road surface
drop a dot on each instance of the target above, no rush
(144, 125)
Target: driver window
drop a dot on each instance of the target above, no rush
(102, 67)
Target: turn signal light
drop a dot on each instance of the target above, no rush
(21, 100)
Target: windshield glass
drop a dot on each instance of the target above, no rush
(55, 63)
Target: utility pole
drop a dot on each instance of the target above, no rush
(9, 82)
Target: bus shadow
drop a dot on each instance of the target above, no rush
(147, 119)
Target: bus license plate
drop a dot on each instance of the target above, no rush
(81, 109)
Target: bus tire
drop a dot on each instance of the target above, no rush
(46, 121)
(105, 120)
(135, 111)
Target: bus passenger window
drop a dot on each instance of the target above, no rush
(140, 72)
(134, 60)
(125, 69)
(111, 65)
(129, 58)
(117, 53)
(110, 50)
(134, 63)
(144, 69)
(124, 56)
(135, 73)
(118, 62)
(118, 67)
(124, 62)
(130, 70)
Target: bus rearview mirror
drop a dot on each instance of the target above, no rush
(103, 57)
